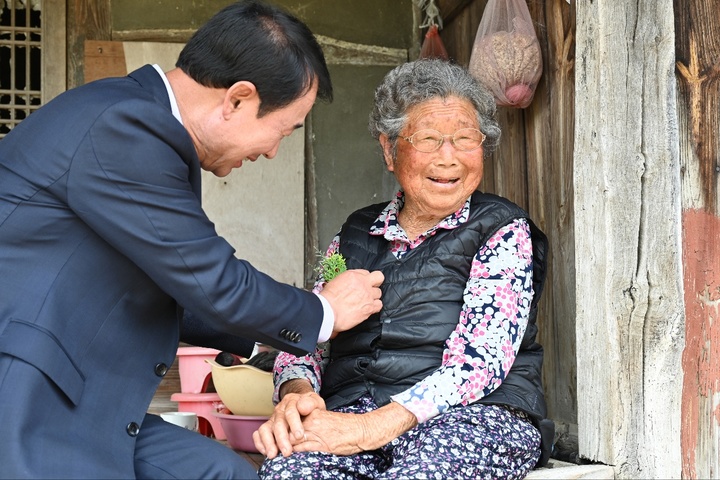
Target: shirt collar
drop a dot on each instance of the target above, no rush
(387, 220)
(171, 95)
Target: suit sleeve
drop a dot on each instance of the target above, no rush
(196, 332)
(129, 181)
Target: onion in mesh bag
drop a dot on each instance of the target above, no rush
(509, 64)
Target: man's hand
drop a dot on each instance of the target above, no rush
(284, 427)
(354, 295)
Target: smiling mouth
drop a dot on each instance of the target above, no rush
(444, 180)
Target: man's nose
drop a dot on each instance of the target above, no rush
(271, 154)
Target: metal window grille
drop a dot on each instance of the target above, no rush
(20, 61)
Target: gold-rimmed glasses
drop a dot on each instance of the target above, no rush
(429, 140)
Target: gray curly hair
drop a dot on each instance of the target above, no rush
(415, 82)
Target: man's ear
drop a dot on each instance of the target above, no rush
(240, 95)
(387, 152)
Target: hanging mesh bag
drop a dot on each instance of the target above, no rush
(506, 55)
(433, 46)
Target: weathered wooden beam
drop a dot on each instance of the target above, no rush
(630, 317)
(86, 20)
(697, 28)
(154, 35)
(698, 73)
(54, 69)
(337, 52)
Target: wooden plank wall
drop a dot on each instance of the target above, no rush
(534, 167)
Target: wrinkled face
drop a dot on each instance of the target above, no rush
(238, 134)
(436, 184)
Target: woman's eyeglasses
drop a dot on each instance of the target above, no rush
(429, 140)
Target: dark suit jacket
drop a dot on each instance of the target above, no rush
(103, 241)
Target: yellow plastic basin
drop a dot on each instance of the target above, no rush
(243, 389)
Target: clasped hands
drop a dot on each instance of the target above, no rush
(301, 423)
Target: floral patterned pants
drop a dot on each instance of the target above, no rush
(472, 442)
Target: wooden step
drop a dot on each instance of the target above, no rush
(557, 470)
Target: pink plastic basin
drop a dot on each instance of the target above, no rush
(193, 369)
(239, 429)
(205, 405)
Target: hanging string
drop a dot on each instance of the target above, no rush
(432, 13)
(432, 46)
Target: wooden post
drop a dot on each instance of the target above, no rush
(697, 28)
(630, 315)
(86, 20)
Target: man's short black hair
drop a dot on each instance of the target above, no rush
(259, 43)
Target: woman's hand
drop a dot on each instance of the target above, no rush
(348, 433)
(284, 428)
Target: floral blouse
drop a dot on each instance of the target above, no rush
(482, 348)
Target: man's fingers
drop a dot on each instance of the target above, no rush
(354, 295)
(376, 278)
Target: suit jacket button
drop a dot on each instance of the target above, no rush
(133, 429)
(284, 333)
(161, 369)
(296, 337)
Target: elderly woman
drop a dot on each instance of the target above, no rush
(445, 381)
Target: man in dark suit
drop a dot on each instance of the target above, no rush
(104, 244)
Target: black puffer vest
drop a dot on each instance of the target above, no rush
(422, 298)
